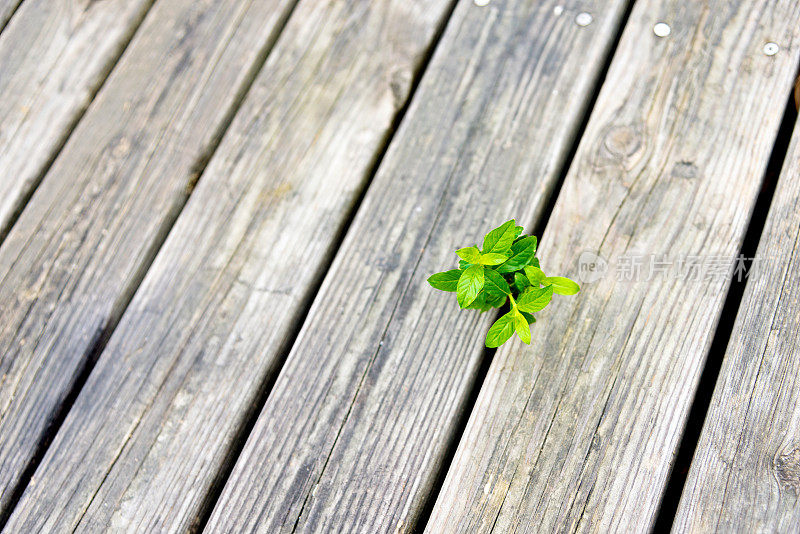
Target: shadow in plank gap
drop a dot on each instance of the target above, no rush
(356, 427)
(54, 56)
(538, 230)
(70, 264)
(745, 472)
(716, 353)
(577, 432)
(250, 415)
(150, 432)
(7, 9)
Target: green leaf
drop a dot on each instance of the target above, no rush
(486, 301)
(522, 328)
(507, 269)
(495, 283)
(445, 281)
(479, 303)
(501, 331)
(501, 238)
(521, 282)
(470, 284)
(496, 301)
(535, 299)
(522, 253)
(561, 285)
(469, 254)
(517, 237)
(492, 258)
(535, 275)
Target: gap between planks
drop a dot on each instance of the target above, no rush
(240, 437)
(722, 335)
(97, 348)
(7, 10)
(745, 475)
(376, 85)
(538, 230)
(42, 109)
(555, 439)
(305, 465)
(19, 466)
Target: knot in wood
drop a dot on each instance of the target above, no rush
(787, 469)
(400, 84)
(122, 148)
(685, 169)
(622, 141)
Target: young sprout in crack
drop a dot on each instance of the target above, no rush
(506, 269)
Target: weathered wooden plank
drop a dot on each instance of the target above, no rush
(357, 424)
(745, 476)
(53, 57)
(69, 265)
(152, 428)
(7, 8)
(577, 431)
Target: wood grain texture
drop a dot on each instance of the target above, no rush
(152, 429)
(7, 8)
(577, 431)
(70, 264)
(745, 476)
(54, 54)
(354, 431)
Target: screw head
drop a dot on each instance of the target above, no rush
(771, 49)
(583, 19)
(662, 29)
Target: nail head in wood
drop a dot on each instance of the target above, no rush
(583, 19)
(662, 29)
(771, 49)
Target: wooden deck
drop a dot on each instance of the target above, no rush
(216, 222)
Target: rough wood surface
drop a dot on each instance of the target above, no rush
(153, 427)
(745, 476)
(577, 431)
(54, 54)
(7, 8)
(355, 429)
(70, 263)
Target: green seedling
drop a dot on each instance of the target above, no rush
(506, 269)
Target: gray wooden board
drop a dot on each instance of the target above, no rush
(69, 265)
(577, 431)
(153, 426)
(54, 54)
(354, 431)
(7, 8)
(745, 476)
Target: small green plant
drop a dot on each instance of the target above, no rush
(505, 269)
